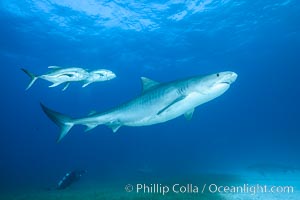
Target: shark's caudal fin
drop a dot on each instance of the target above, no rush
(64, 122)
(32, 76)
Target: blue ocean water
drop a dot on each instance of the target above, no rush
(255, 121)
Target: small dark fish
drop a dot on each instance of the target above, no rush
(69, 179)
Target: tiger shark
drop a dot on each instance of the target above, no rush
(158, 103)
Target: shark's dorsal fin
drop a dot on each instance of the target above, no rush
(54, 67)
(148, 83)
(189, 114)
(172, 103)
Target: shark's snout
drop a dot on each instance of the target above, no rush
(229, 77)
(234, 76)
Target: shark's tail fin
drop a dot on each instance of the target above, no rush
(32, 76)
(64, 122)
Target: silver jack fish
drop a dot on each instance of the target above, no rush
(59, 75)
(99, 75)
(158, 103)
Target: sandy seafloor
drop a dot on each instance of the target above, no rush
(89, 189)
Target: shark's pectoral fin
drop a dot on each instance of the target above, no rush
(189, 114)
(66, 86)
(148, 84)
(114, 126)
(171, 104)
(55, 84)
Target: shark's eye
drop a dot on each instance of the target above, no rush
(218, 74)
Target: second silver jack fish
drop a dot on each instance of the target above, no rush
(158, 103)
(99, 75)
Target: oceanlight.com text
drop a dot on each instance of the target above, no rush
(155, 188)
(246, 188)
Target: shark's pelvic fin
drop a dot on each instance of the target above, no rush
(90, 127)
(64, 122)
(148, 84)
(171, 104)
(189, 114)
(32, 77)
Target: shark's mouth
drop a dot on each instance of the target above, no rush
(226, 82)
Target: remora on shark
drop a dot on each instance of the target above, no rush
(158, 103)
